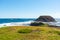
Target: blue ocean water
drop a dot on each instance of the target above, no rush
(9, 20)
(22, 21)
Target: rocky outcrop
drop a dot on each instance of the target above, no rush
(45, 19)
(41, 19)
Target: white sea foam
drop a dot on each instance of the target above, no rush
(27, 23)
(16, 24)
(53, 23)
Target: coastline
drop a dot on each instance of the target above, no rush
(16, 24)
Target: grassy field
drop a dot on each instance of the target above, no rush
(36, 33)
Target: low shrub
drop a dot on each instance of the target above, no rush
(36, 24)
(25, 30)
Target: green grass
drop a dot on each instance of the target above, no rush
(29, 33)
(25, 31)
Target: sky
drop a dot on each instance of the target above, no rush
(29, 8)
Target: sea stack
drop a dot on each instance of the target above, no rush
(41, 19)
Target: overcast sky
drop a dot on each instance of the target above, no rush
(29, 8)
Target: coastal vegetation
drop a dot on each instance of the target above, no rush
(29, 33)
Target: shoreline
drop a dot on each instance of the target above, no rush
(26, 23)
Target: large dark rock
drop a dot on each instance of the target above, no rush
(41, 19)
(45, 19)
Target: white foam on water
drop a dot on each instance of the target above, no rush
(16, 24)
(53, 23)
(27, 23)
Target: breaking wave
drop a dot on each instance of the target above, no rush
(27, 23)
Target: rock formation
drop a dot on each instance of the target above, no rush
(41, 19)
(45, 19)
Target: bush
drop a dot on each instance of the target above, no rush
(25, 31)
(36, 24)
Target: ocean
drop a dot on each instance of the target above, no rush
(9, 20)
(19, 21)
(15, 21)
